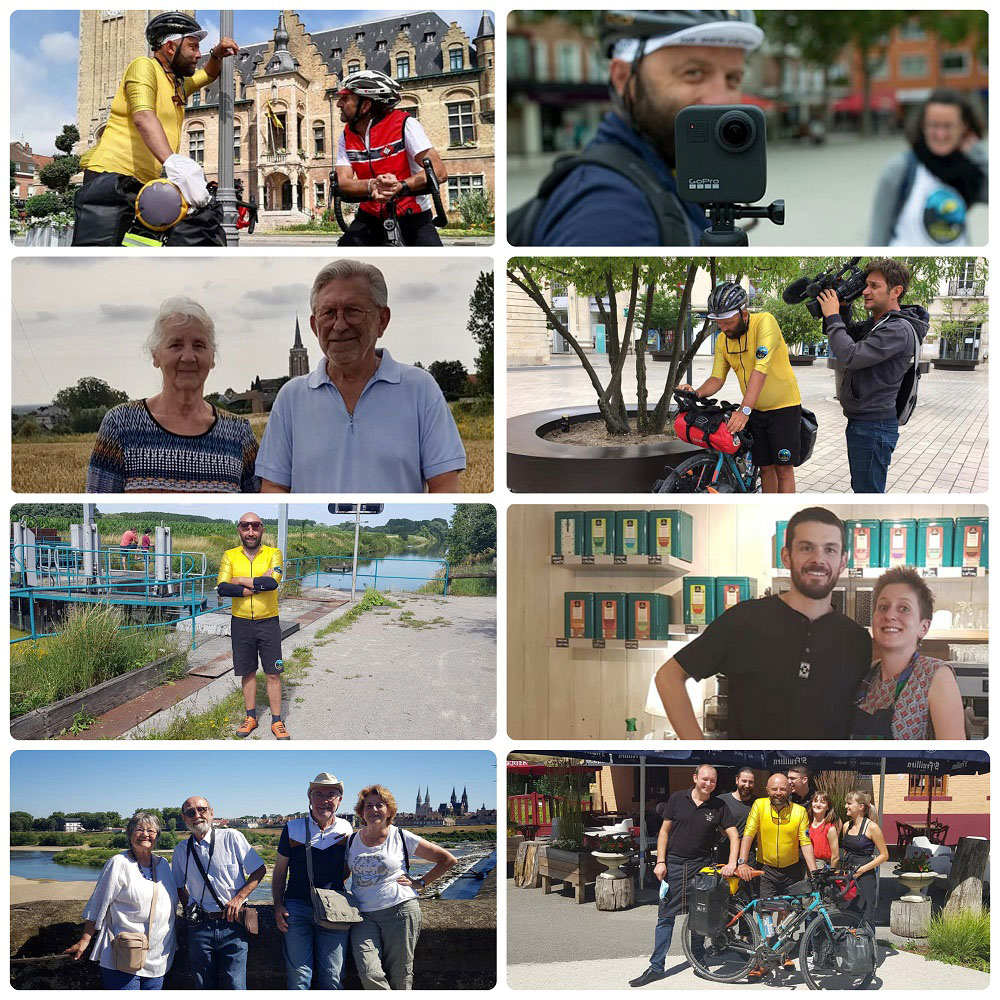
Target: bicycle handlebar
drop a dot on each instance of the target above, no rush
(687, 400)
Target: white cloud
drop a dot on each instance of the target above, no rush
(60, 45)
(35, 116)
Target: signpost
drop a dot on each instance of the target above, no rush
(357, 509)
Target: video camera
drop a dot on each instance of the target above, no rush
(847, 281)
(721, 160)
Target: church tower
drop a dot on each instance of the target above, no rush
(109, 41)
(465, 802)
(417, 810)
(298, 364)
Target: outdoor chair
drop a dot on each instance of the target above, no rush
(938, 834)
(904, 834)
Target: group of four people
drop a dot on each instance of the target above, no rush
(214, 871)
(788, 832)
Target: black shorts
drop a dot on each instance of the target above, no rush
(366, 230)
(256, 638)
(777, 881)
(776, 435)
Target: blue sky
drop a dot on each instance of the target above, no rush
(315, 511)
(239, 781)
(42, 102)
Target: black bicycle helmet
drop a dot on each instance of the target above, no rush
(734, 28)
(725, 299)
(174, 22)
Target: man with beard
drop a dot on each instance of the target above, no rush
(793, 662)
(216, 869)
(753, 347)
(143, 133)
(380, 156)
(250, 574)
(692, 820)
(872, 359)
(661, 61)
(738, 802)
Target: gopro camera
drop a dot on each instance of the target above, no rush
(721, 153)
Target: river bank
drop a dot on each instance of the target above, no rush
(457, 947)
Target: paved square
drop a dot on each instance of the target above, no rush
(941, 450)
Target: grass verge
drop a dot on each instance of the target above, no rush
(92, 648)
(372, 599)
(962, 939)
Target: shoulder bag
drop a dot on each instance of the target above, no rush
(333, 910)
(129, 949)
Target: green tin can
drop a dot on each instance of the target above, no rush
(671, 533)
(578, 615)
(935, 541)
(972, 537)
(864, 541)
(731, 590)
(648, 616)
(630, 532)
(568, 533)
(699, 600)
(599, 533)
(609, 616)
(899, 542)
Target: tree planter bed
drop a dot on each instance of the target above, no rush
(536, 465)
(50, 720)
(572, 868)
(954, 364)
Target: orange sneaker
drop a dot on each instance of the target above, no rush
(249, 725)
(280, 733)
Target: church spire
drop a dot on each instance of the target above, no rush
(298, 343)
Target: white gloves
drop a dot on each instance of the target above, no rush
(189, 177)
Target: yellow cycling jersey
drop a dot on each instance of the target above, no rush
(235, 563)
(145, 86)
(779, 833)
(761, 349)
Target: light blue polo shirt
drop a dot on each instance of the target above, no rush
(400, 435)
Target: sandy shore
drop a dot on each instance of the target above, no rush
(34, 890)
(53, 850)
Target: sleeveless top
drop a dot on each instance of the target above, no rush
(819, 835)
(911, 719)
(858, 845)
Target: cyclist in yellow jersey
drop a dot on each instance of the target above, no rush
(781, 829)
(250, 574)
(753, 347)
(143, 133)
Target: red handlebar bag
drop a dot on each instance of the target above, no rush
(847, 888)
(706, 430)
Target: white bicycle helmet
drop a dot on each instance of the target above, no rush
(628, 33)
(374, 85)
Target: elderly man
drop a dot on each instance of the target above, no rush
(215, 870)
(360, 421)
(250, 574)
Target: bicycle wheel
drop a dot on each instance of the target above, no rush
(816, 953)
(730, 956)
(693, 475)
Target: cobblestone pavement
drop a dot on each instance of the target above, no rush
(941, 450)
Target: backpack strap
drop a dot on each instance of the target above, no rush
(672, 223)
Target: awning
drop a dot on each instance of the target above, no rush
(764, 103)
(880, 100)
(953, 762)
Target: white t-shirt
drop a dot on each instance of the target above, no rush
(933, 215)
(374, 870)
(120, 902)
(416, 142)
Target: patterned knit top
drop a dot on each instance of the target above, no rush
(135, 454)
(911, 719)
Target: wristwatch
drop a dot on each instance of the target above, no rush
(746, 411)
(741, 862)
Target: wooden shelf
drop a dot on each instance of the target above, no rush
(666, 565)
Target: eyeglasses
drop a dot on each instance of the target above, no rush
(351, 314)
(322, 793)
(194, 810)
(247, 525)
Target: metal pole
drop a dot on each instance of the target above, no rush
(357, 535)
(227, 187)
(283, 528)
(642, 821)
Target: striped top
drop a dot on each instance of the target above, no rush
(911, 716)
(135, 454)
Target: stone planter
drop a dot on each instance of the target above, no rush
(613, 862)
(535, 465)
(918, 884)
(954, 364)
(801, 360)
(48, 236)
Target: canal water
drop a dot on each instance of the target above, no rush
(40, 864)
(404, 571)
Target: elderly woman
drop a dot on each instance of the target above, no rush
(175, 441)
(134, 893)
(311, 951)
(906, 695)
(924, 194)
(378, 857)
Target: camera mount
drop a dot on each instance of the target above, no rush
(724, 232)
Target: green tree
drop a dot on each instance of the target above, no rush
(473, 532)
(481, 327)
(797, 325)
(67, 139)
(57, 174)
(20, 821)
(43, 823)
(451, 377)
(89, 393)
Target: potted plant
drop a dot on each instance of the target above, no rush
(564, 859)
(613, 852)
(916, 874)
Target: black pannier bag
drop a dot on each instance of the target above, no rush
(709, 904)
(854, 952)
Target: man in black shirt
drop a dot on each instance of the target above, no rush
(793, 662)
(691, 823)
(801, 793)
(738, 802)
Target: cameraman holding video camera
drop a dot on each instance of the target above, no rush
(874, 356)
(661, 62)
(753, 347)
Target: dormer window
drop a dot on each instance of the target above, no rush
(359, 37)
(429, 36)
(336, 53)
(380, 46)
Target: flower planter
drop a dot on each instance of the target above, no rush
(801, 360)
(955, 364)
(48, 236)
(613, 862)
(572, 868)
(917, 883)
(536, 465)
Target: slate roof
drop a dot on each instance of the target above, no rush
(428, 62)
